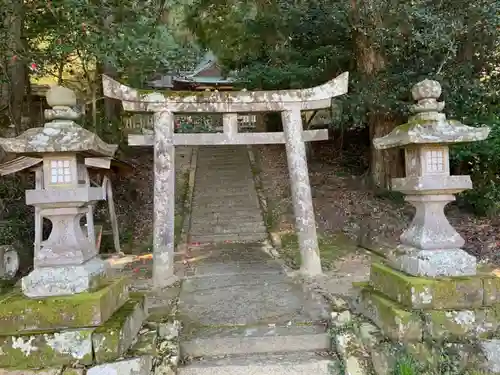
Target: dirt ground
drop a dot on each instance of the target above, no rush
(345, 205)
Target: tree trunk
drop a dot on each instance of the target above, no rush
(109, 108)
(14, 91)
(384, 165)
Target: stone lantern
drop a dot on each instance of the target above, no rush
(431, 246)
(60, 154)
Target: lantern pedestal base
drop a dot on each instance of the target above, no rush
(65, 280)
(434, 263)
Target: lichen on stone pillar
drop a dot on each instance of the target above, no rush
(164, 193)
(305, 223)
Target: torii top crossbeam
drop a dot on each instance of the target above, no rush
(226, 102)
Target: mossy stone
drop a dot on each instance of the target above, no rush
(145, 345)
(21, 314)
(46, 349)
(73, 371)
(395, 322)
(460, 325)
(427, 293)
(115, 337)
(50, 371)
(491, 286)
(424, 353)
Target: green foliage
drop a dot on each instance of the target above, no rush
(126, 35)
(387, 46)
(16, 219)
(482, 161)
(405, 365)
(195, 124)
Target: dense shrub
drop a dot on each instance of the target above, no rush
(482, 161)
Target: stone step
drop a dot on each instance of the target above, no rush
(238, 189)
(224, 216)
(213, 163)
(223, 180)
(236, 226)
(224, 159)
(235, 237)
(222, 196)
(203, 231)
(225, 221)
(206, 202)
(223, 211)
(235, 182)
(253, 340)
(237, 205)
(225, 229)
(264, 364)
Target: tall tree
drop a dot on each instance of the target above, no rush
(387, 45)
(13, 62)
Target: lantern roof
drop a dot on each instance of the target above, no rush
(428, 125)
(61, 134)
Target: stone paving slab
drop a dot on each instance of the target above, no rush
(200, 229)
(260, 339)
(226, 220)
(233, 253)
(245, 305)
(250, 279)
(236, 203)
(221, 195)
(264, 364)
(224, 212)
(217, 238)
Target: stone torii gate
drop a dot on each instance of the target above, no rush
(289, 103)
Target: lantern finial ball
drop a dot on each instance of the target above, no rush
(59, 96)
(426, 89)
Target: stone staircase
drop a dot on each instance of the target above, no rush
(241, 314)
(225, 206)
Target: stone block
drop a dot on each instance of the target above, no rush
(65, 280)
(460, 325)
(427, 293)
(46, 350)
(340, 319)
(389, 316)
(21, 314)
(73, 371)
(491, 285)
(383, 358)
(133, 366)
(435, 263)
(369, 334)
(145, 345)
(53, 371)
(352, 353)
(490, 350)
(116, 336)
(169, 330)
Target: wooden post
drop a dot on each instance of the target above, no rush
(305, 223)
(164, 200)
(38, 215)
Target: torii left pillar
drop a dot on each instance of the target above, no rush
(164, 202)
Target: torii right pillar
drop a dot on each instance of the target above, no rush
(305, 222)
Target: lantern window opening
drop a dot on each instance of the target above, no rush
(435, 161)
(60, 172)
